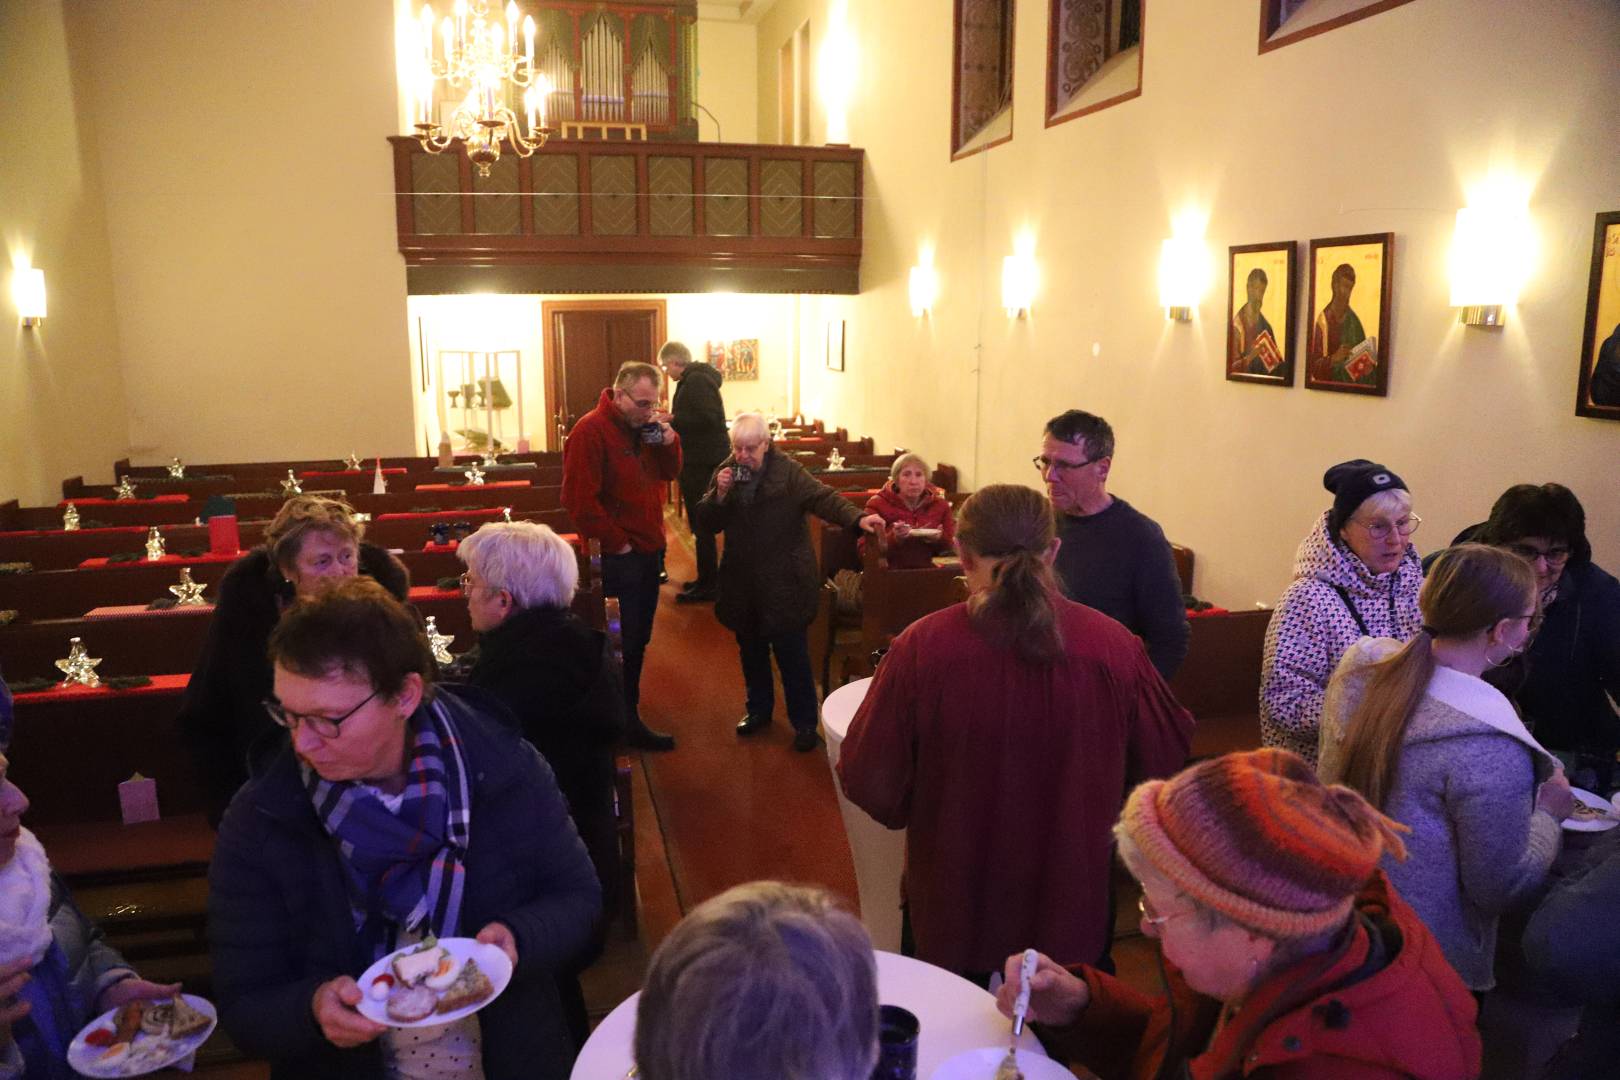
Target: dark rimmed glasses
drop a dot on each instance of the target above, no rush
(1044, 464)
(1553, 556)
(327, 727)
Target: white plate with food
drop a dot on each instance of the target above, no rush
(140, 1037)
(927, 534)
(434, 982)
(982, 1065)
(1593, 813)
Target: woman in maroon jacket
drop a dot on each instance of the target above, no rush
(1003, 734)
(917, 516)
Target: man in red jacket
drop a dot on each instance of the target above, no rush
(616, 462)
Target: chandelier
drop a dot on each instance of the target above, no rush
(480, 71)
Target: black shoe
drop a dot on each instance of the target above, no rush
(806, 740)
(698, 596)
(642, 737)
(691, 586)
(663, 577)
(753, 725)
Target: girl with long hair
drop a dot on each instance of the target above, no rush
(1417, 731)
(1003, 734)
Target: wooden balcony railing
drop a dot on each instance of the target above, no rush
(590, 216)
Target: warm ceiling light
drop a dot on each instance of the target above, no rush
(481, 69)
(28, 293)
(1019, 279)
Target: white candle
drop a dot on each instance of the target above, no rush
(511, 21)
(528, 41)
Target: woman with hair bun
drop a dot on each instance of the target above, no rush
(1003, 734)
(1417, 731)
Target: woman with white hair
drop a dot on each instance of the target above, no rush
(917, 518)
(558, 678)
(1356, 575)
(764, 980)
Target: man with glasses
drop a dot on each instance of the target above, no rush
(1111, 556)
(616, 461)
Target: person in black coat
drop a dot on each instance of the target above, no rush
(769, 581)
(389, 812)
(312, 542)
(561, 682)
(1565, 681)
(699, 418)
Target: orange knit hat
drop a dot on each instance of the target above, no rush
(1257, 837)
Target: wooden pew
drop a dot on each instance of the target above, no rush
(1219, 682)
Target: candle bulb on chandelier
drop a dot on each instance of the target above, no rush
(511, 21)
(461, 24)
(427, 34)
(528, 42)
(447, 31)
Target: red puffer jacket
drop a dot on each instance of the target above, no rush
(1387, 1007)
(933, 511)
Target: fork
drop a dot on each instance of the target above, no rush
(1008, 1069)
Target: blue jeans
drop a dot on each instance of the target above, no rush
(793, 661)
(633, 579)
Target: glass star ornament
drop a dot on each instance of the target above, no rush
(491, 457)
(78, 666)
(291, 486)
(177, 469)
(188, 593)
(439, 642)
(475, 475)
(154, 545)
(124, 490)
(352, 462)
(506, 514)
(70, 518)
(835, 460)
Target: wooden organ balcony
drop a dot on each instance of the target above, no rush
(593, 216)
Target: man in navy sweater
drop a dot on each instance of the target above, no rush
(1112, 557)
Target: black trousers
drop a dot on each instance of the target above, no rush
(792, 651)
(633, 579)
(694, 481)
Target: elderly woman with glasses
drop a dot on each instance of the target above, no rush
(312, 543)
(1418, 731)
(1570, 675)
(917, 518)
(1356, 575)
(561, 681)
(390, 812)
(1285, 951)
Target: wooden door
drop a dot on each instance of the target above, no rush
(586, 341)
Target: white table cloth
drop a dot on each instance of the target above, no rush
(879, 854)
(956, 1016)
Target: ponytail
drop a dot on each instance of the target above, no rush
(1013, 526)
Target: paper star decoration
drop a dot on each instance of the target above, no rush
(177, 469)
(188, 593)
(352, 462)
(440, 642)
(78, 666)
(125, 489)
(70, 518)
(475, 475)
(291, 486)
(154, 545)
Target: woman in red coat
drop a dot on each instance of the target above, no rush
(1003, 734)
(1286, 953)
(917, 516)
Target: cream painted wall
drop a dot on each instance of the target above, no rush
(489, 323)
(1280, 146)
(61, 389)
(249, 207)
(727, 72)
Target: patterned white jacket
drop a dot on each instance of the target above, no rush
(1333, 600)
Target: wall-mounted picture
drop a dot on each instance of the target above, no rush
(1260, 314)
(835, 344)
(1348, 347)
(1600, 345)
(742, 363)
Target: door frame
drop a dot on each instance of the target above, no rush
(551, 346)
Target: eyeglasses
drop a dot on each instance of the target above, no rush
(637, 402)
(1150, 917)
(1380, 530)
(1553, 556)
(324, 726)
(1533, 621)
(1044, 464)
(468, 584)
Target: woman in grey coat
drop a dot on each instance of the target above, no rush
(1417, 731)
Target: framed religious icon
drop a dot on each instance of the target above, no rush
(1347, 348)
(1599, 394)
(1260, 314)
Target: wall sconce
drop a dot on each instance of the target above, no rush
(922, 289)
(1490, 254)
(1019, 279)
(28, 293)
(1181, 276)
